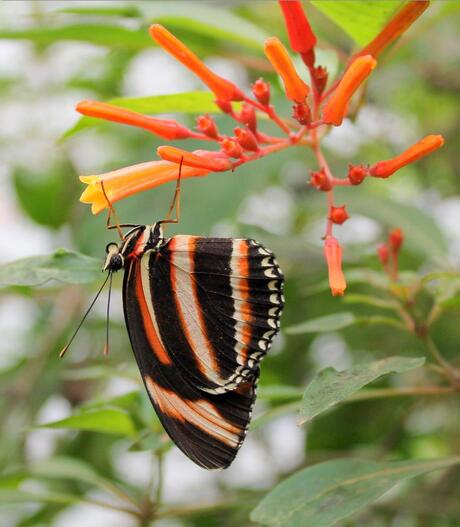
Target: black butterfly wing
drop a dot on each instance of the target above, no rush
(209, 428)
(221, 301)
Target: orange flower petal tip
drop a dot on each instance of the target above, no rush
(177, 155)
(428, 144)
(222, 88)
(397, 25)
(296, 89)
(167, 129)
(333, 255)
(336, 107)
(128, 181)
(301, 36)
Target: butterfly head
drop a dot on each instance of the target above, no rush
(114, 260)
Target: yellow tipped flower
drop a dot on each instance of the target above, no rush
(296, 89)
(127, 181)
(336, 107)
(222, 88)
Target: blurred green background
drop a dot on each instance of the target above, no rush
(53, 54)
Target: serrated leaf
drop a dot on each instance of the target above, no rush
(99, 34)
(325, 493)
(189, 102)
(330, 386)
(322, 324)
(62, 265)
(362, 21)
(108, 420)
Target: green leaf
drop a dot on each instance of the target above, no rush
(362, 21)
(99, 34)
(205, 20)
(325, 493)
(7, 497)
(279, 393)
(330, 386)
(190, 102)
(107, 420)
(369, 301)
(322, 324)
(130, 11)
(38, 191)
(62, 265)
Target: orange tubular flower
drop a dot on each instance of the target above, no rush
(403, 19)
(296, 89)
(301, 36)
(210, 161)
(428, 144)
(222, 88)
(164, 128)
(124, 182)
(333, 255)
(336, 107)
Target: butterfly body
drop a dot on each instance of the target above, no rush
(201, 313)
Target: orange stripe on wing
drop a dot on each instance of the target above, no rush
(245, 307)
(199, 413)
(152, 336)
(188, 307)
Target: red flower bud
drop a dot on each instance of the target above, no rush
(302, 113)
(336, 107)
(396, 239)
(356, 174)
(165, 128)
(296, 89)
(428, 144)
(207, 125)
(382, 253)
(333, 255)
(246, 139)
(225, 106)
(301, 36)
(338, 215)
(320, 181)
(231, 147)
(223, 89)
(320, 75)
(261, 91)
(198, 159)
(248, 116)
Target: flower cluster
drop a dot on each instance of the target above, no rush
(314, 110)
(388, 253)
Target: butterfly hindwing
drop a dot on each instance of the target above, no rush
(209, 428)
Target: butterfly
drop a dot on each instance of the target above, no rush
(201, 313)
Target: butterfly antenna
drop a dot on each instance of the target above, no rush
(176, 198)
(63, 351)
(106, 347)
(111, 213)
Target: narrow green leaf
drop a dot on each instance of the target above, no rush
(325, 493)
(354, 276)
(362, 21)
(190, 102)
(279, 393)
(62, 265)
(108, 420)
(330, 386)
(130, 11)
(369, 301)
(8, 497)
(322, 324)
(206, 20)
